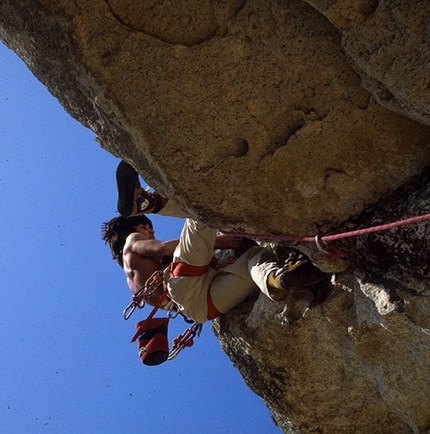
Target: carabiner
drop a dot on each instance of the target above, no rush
(330, 252)
(155, 279)
(319, 247)
(128, 311)
(172, 310)
(185, 340)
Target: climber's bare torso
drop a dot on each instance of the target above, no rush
(142, 256)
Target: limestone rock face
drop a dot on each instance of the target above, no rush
(352, 356)
(251, 114)
(282, 117)
(339, 369)
(390, 51)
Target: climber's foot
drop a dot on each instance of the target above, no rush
(132, 198)
(129, 189)
(291, 276)
(301, 274)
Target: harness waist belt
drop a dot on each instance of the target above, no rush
(182, 269)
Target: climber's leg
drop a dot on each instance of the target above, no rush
(234, 283)
(295, 274)
(260, 267)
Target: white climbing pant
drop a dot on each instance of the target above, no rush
(172, 209)
(228, 286)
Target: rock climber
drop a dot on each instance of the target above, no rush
(200, 288)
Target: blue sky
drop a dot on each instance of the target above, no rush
(67, 364)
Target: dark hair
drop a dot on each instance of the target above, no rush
(115, 232)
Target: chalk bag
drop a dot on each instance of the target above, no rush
(152, 343)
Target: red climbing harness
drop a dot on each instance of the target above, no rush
(184, 269)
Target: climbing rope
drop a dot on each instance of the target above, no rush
(333, 252)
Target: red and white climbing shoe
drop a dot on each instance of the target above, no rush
(132, 198)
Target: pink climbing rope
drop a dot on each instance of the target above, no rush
(335, 236)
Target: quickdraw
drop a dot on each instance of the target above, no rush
(184, 340)
(138, 300)
(330, 252)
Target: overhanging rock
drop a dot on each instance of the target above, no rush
(250, 114)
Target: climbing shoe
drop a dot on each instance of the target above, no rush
(293, 275)
(132, 198)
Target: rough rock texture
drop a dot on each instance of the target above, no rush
(388, 42)
(255, 99)
(285, 117)
(352, 356)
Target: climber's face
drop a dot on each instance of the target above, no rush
(146, 230)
